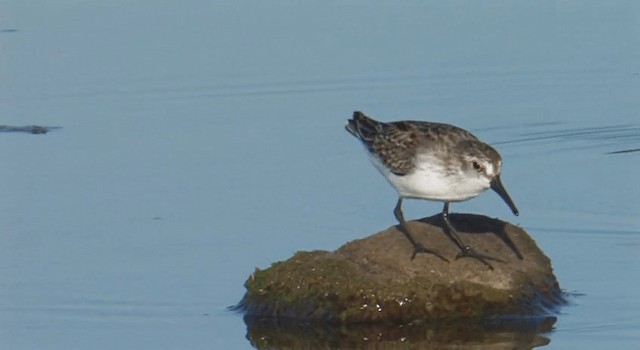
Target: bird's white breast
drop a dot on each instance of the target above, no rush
(430, 180)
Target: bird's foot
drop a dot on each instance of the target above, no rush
(420, 249)
(468, 252)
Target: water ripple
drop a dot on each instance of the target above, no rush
(609, 136)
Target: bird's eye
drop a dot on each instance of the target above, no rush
(477, 166)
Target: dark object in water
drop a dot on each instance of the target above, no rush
(624, 151)
(30, 129)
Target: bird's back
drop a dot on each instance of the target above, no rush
(396, 144)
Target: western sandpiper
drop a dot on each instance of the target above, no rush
(432, 161)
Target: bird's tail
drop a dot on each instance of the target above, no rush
(363, 127)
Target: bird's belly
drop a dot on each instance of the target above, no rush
(432, 184)
(417, 185)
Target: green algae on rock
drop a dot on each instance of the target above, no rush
(374, 279)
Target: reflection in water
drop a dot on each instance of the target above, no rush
(505, 334)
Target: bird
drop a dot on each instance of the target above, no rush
(431, 161)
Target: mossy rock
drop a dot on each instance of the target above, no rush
(375, 280)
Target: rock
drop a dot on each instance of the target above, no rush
(374, 279)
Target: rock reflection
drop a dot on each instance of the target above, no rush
(504, 334)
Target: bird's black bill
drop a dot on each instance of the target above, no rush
(497, 186)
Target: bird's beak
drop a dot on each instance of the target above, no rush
(496, 185)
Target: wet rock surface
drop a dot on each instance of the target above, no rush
(375, 280)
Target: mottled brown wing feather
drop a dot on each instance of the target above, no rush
(396, 144)
(396, 147)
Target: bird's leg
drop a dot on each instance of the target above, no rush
(417, 247)
(465, 250)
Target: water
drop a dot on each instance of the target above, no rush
(202, 139)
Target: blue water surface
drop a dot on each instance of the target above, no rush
(200, 140)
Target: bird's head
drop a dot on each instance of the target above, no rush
(484, 164)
